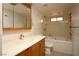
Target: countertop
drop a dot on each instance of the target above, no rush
(13, 47)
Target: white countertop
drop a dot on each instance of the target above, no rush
(13, 47)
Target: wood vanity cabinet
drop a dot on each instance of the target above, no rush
(27, 52)
(42, 47)
(38, 49)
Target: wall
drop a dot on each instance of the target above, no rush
(0, 28)
(75, 30)
(36, 27)
(58, 29)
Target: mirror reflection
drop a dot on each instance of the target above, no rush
(16, 15)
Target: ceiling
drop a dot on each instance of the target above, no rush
(53, 8)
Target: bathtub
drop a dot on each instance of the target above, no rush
(60, 45)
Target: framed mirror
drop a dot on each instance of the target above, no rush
(16, 16)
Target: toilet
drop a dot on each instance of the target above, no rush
(48, 47)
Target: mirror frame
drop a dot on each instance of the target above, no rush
(27, 5)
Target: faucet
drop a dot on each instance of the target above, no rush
(21, 36)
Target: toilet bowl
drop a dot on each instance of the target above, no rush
(48, 47)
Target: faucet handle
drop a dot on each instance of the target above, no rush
(21, 36)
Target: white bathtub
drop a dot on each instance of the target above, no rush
(60, 45)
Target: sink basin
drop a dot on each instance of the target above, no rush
(9, 44)
(16, 42)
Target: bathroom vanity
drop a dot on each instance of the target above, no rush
(30, 46)
(35, 50)
(17, 16)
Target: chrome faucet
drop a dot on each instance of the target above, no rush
(21, 36)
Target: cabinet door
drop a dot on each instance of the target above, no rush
(42, 47)
(28, 52)
(35, 50)
(7, 15)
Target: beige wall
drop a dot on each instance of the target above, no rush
(36, 27)
(0, 28)
(0, 16)
(75, 31)
(58, 29)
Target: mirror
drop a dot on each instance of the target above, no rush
(16, 16)
(7, 16)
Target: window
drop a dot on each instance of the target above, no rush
(53, 19)
(57, 19)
